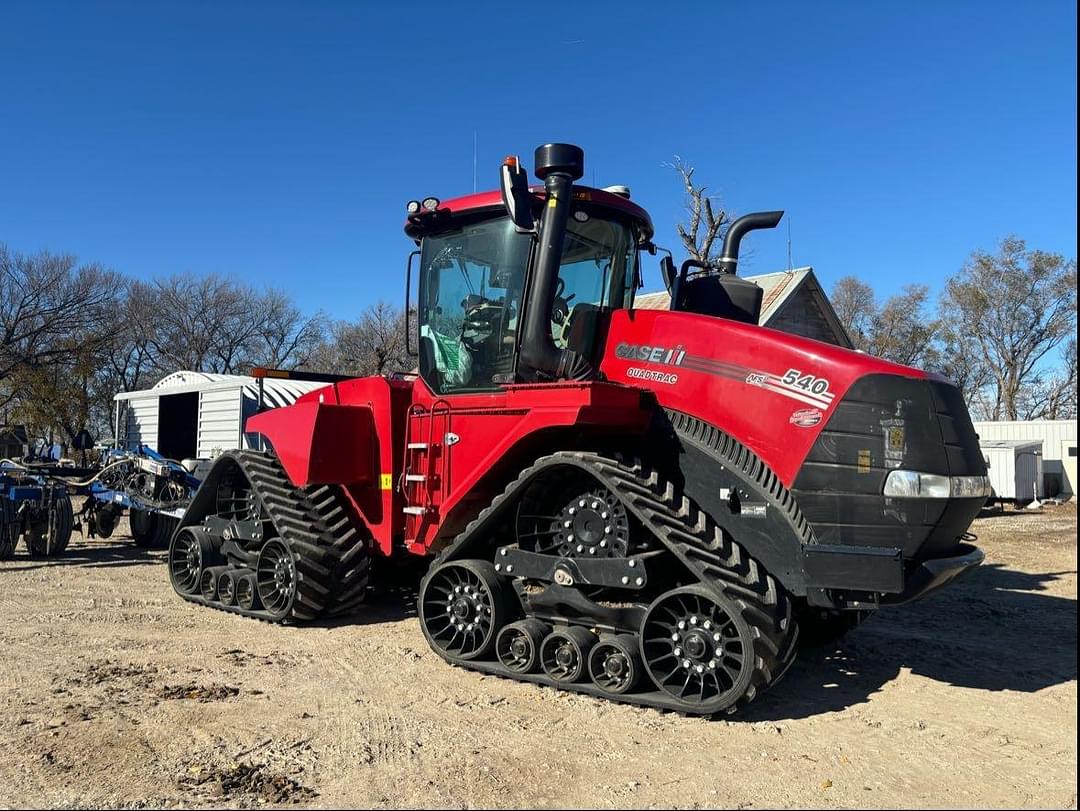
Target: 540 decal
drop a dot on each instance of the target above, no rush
(814, 385)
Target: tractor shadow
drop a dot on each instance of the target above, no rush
(391, 597)
(991, 631)
(92, 553)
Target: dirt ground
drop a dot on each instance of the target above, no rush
(113, 692)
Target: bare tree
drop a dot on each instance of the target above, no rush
(961, 360)
(1018, 305)
(47, 305)
(1052, 394)
(705, 226)
(215, 324)
(286, 338)
(373, 344)
(898, 330)
(856, 307)
(902, 331)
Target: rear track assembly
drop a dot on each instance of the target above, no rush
(253, 544)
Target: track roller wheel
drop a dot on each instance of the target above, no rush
(614, 664)
(208, 581)
(226, 584)
(462, 605)
(143, 525)
(518, 644)
(564, 653)
(189, 552)
(247, 592)
(275, 578)
(699, 648)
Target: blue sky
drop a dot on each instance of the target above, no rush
(279, 142)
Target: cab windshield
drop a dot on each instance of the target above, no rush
(470, 296)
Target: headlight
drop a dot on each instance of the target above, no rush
(970, 486)
(912, 484)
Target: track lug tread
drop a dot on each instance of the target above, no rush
(330, 547)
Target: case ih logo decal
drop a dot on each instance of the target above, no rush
(806, 417)
(652, 354)
(793, 384)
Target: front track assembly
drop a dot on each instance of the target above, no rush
(253, 544)
(611, 584)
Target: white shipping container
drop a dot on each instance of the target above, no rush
(1057, 436)
(1015, 468)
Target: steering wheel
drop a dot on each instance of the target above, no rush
(560, 307)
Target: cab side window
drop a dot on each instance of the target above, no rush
(597, 269)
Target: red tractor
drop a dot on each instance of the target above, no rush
(643, 505)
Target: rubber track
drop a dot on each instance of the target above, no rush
(329, 547)
(737, 456)
(693, 538)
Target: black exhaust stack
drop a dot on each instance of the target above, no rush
(558, 165)
(715, 289)
(729, 261)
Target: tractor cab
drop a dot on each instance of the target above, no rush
(483, 270)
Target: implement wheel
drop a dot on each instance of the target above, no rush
(50, 538)
(9, 529)
(143, 527)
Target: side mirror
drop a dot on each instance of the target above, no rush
(408, 305)
(667, 271)
(516, 197)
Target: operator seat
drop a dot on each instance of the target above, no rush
(582, 328)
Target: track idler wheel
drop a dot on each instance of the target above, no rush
(698, 648)
(564, 653)
(518, 644)
(614, 664)
(190, 551)
(247, 592)
(276, 579)
(462, 605)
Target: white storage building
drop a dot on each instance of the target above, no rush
(1015, 468)
(1058, 438)
(197, 415)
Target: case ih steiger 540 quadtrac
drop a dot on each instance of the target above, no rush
(641, 505)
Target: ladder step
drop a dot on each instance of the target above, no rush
(414, 510)
(417, 446)
(415, 477)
